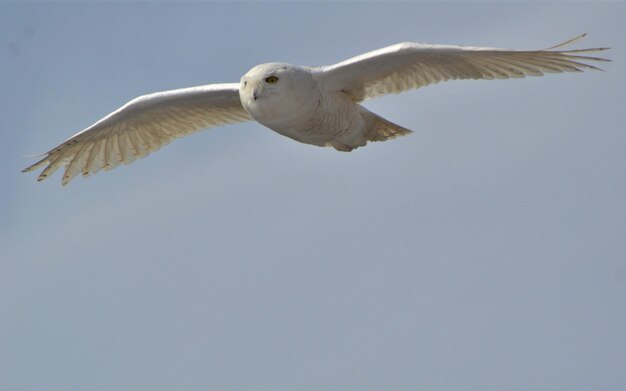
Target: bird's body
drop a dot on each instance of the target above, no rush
(312, 105)
(306, 111)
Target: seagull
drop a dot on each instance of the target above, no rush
(317, 105)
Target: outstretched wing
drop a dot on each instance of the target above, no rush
(410, 65)
(142, 126)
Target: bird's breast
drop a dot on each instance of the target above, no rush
(314, 119)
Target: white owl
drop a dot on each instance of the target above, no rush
(313, 105)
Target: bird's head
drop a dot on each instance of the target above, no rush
(274, 92)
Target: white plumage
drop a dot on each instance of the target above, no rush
(313, 105)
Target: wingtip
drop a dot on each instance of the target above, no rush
(29, 168)
(37, 165)
(568, 42)
(66, 179)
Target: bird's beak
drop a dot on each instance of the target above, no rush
(255, 93)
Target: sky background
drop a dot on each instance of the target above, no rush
(487, 251)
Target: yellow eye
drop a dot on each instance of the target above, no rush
(271, 79)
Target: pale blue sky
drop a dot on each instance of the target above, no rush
(487, 251)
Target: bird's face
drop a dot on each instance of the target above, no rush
(263, 81)
(274, 93)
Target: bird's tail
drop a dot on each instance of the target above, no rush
(380, 129)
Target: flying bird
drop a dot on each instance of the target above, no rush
(316, 105)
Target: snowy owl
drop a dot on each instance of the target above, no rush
(316, 105)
